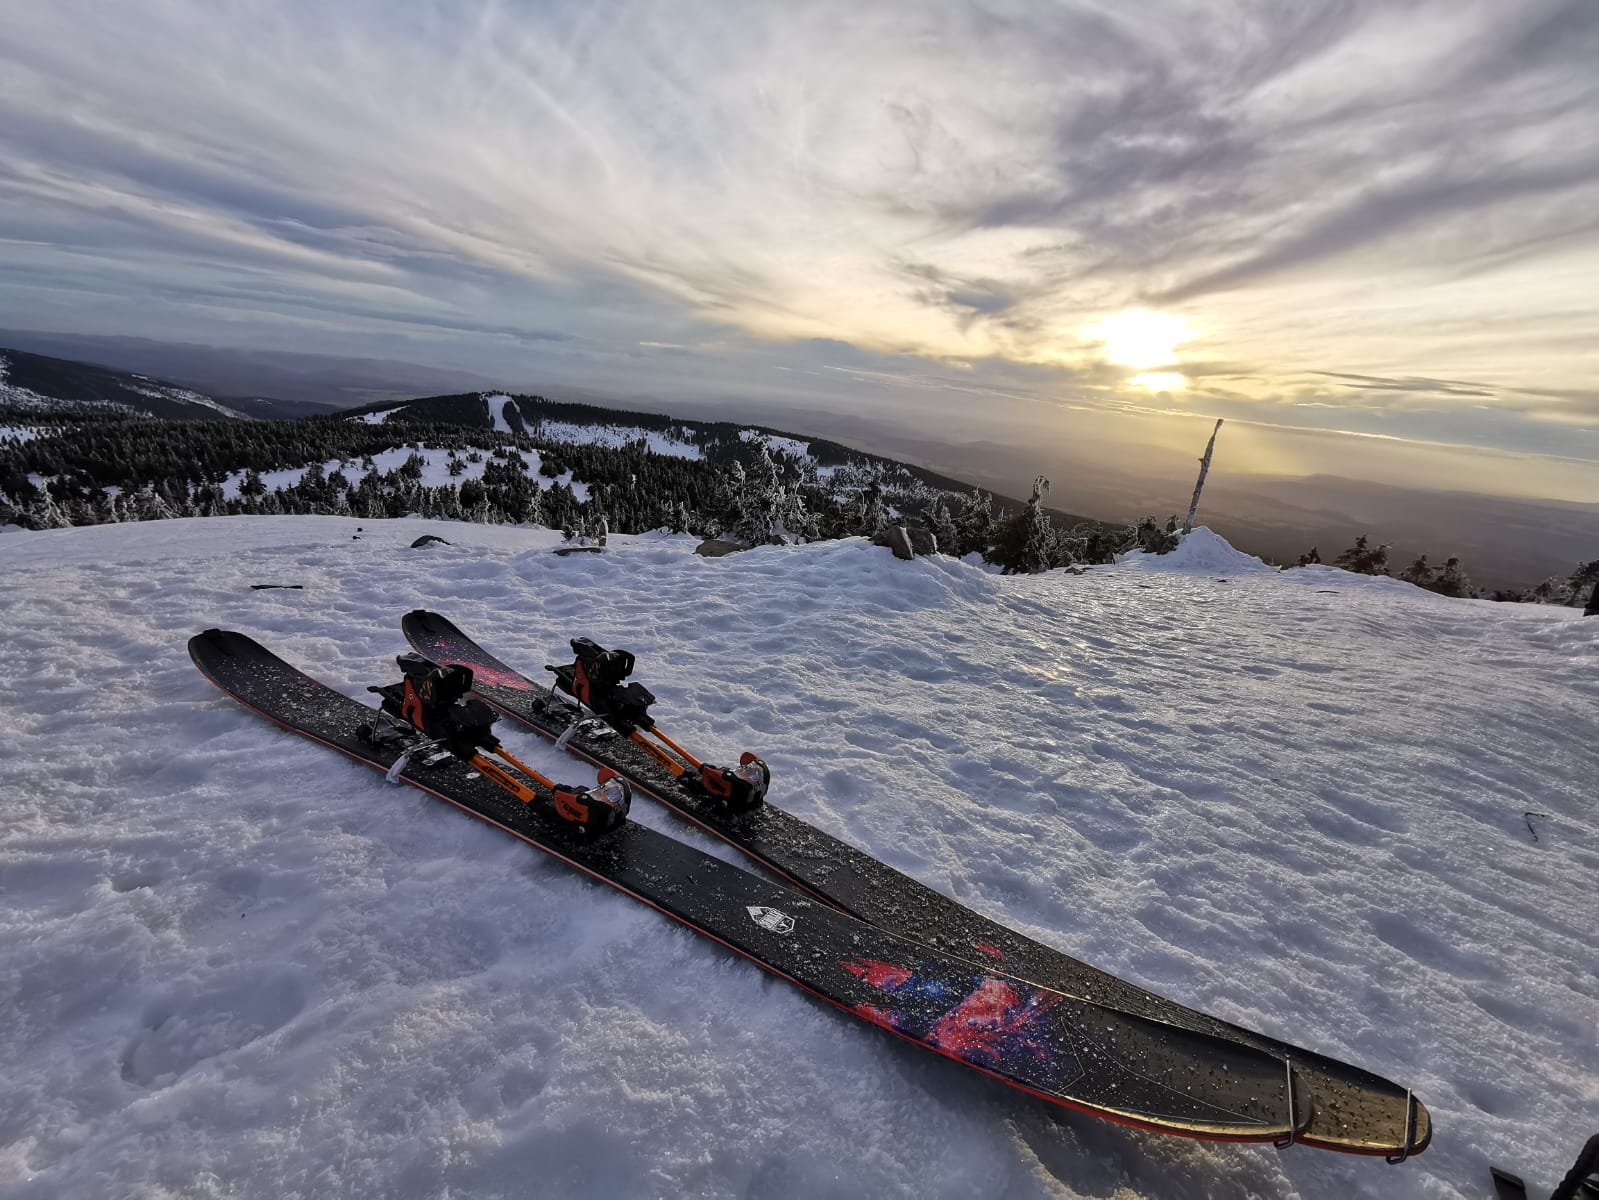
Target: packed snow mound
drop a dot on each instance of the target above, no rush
(1201, 552)
(235, 963)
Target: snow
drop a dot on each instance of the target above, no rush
(792, 447)
(235, 964)
(12, 396)
(162, 391)
(497, 405)
(435, 470)
(617, 436)
(1200, 552)
(17, 433)
(377, 418)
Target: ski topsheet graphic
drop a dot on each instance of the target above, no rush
(1357, 1111)
(1059, 1047)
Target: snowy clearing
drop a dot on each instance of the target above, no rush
(617, 436)
(158, 391)
(792, 447)
(435, 470)
(17, 433)
(237, 965)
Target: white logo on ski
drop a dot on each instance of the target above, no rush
(770, 918)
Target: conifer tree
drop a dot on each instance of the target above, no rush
(942, 526)
(1364, 559)
(974, 526)
(872, 517)
(1451, 581)
(1420, 573)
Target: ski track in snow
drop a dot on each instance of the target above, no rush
(497, 403)
(235, 964)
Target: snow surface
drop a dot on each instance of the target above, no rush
(377, 418)
(617, 436)
(13, 396)
(1201, 552)
(159, 391)
(17, 433)
(234, 964)
(497, 405)
(793, 447)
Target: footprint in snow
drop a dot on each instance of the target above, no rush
(186, 1028)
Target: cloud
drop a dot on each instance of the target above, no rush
(1409, 384)
(1395, 195)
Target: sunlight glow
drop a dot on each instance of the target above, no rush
(1161, 381)
(1141, 339)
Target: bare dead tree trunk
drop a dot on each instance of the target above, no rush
(1204, 469)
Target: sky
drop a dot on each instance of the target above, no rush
(1379, 218)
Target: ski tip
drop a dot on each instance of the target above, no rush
(207, 638)
(1507, 1186)
(422, 620)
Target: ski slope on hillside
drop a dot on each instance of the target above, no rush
(237, 965)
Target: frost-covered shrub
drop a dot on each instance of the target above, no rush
(1149, 537)
(1364, 559)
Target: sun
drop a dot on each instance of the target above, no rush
(1161, 381)
(1141, 339)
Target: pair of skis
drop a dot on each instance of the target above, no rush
(1355, 1110)
(851, 930)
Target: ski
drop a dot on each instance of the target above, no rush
(1061, 1048)
(1357, 1111)
(1580, 1183)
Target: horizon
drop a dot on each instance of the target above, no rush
(1071, 230)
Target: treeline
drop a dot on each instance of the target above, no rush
(85, 469)
(1451, 580)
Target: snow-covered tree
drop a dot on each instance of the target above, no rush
(1027, 543)
(1419, 572)
(149, 505)
(45, 513)
(872, 513)
(942, 526)
(1451, 581)
(974, 524)
(1364, 559)
(757, 497)
(1150, 537)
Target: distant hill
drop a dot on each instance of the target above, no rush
(272, 408)
(579, 424)
(36, 383)
(487, 457)
(324, 382)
